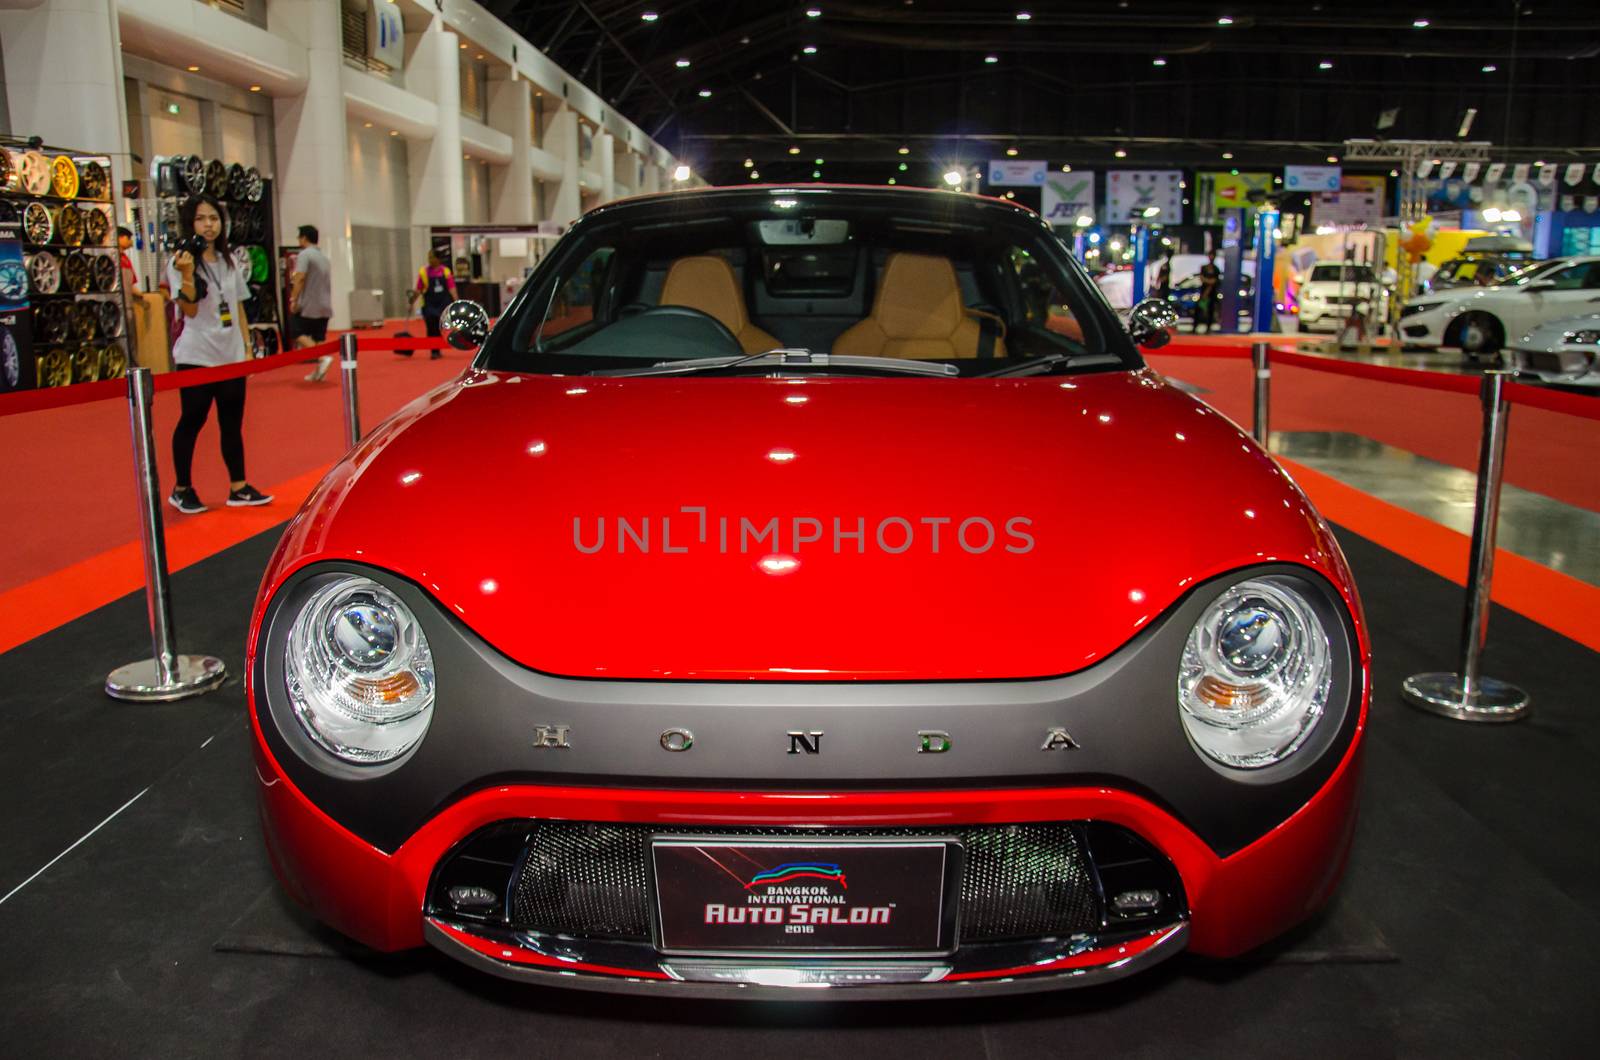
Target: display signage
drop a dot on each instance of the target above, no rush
(1225, 190)
(1067, 197)
(1359, 201)
(386, 35)
(1574, 173)
(1493, 174)
(1131, 192)
(1311, 178)
(1016, 172)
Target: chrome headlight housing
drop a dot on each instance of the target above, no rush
(359, 673)
(1582, 337)
(1255, 675)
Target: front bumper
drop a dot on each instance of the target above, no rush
(1427, 328)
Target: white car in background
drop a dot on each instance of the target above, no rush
(1481, 320)
(1331, 290)
(1561, 351)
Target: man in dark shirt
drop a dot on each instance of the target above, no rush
(1205, 310)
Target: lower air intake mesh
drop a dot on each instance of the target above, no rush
(1019, 881)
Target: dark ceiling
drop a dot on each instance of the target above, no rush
(1161, 80)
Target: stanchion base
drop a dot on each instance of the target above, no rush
(138, 682)
(1442, 694)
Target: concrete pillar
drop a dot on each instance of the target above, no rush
(438, 194)
(511, 186)
(311, 167)
(63, 70)
(562, 141)
(652, 176)
(605, 150)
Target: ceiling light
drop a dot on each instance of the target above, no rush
(749, 162)
(394, 132)
(681, 173)
(1491, 68)
(649, 16)
(813, 12)
(366, 125)
(1065, 168)
(1333, 159)
(952, 177)
(705, 93)
(1011, 195)
(193, 69)
(1011, 152)
(255, 88)
(1394, 172)
(794, 150)
(1325, 65)
(1158, 61)
(1151, 211)
(1084, 220)
(1120, 153)
(754, 175)
(682, 64)
(816, 174)
(816, 161)
(810, 49)
(1419, 23)
(1023, 16)
(902, 167)
(480, 55)
(1224, 21)
(463, 47)
(1227, 154)
(991, 58)
(903, 151)
(891, 180)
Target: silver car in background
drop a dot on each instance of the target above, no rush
(1560, 351)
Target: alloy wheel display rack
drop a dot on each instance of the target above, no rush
(66, 319)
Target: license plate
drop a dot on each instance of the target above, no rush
(716, 896)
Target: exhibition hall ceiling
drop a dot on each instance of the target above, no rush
(1168, 81)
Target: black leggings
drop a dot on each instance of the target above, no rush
(196, 400)
(430, 321)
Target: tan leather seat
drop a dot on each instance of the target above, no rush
(918, 313)
(708, 284)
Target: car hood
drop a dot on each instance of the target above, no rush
(1089, 505)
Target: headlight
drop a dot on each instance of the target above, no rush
(1585, 337)
(1419, 307)
(1255, 675)
(359, 673)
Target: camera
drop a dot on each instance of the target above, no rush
(194, 244)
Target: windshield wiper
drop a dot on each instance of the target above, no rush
(1049, 361)
(786, 358)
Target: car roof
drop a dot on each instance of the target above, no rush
(710, 199)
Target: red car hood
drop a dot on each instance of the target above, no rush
(1069, 513)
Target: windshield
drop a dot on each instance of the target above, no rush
(867, 278)
(1341, 274)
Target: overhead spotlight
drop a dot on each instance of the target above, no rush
(1011, 152)
(1490, 68)
(1394, 172)
(1066, 167)
(1151, 211)
(1158, 61)
(810, 49)
(1466, 121)
(813, 12)
(903, 151)
(816, 174)
(1333, 160)
(816, 161)
(1420, 23)
(1120, 153)
(649, 16)
(192, 69)
(682, 64)
(903, 167)
(394, 132)
(1224, 21)
(1084, 220)
(681, 173)
(891, 180)
(991, 58)
(255, 88)
(749, 162)
(1011, 195)
(1325, 65)
(794, 150)
(754, 175)
(1227, 154)
(705, 93)
(952, 177)
(1023, 16)
(366, 125)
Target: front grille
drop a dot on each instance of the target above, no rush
(591, 879)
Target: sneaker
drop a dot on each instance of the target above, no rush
(247, 496)
(186, 500)
(320, 372)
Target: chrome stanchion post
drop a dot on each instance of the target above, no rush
(1263, 383)
(1468, 695)
(347, 374)
(167, 675)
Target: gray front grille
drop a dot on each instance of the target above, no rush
(1019, 881)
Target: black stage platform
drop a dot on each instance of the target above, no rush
(1466, 927)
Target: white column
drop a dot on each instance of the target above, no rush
(438, 194)
(562, 141)
(511, 186)
(605, 149)
(63, 69)
(652, 176)
(313, 152)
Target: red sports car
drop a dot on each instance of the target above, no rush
(809, 588)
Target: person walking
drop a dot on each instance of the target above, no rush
(311, 299)
(210, 290)
(436, 287)
(1205, 310)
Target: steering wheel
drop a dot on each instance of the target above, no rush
(683, 312)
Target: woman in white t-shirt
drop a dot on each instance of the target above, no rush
(210, 292)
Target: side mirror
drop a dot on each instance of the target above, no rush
(1151, 323)
(465, 324)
